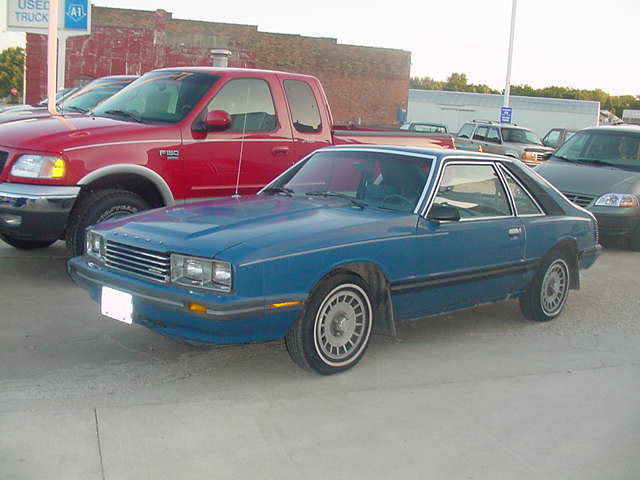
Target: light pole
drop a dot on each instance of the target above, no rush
(52, 53)
(507, 87)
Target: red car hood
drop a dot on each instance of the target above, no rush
(54, 134)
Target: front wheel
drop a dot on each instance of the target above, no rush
(332, 333)
(97, 207)
(26, 244)
(634, 240)
(549, 289)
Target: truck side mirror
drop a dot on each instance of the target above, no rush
(217, 121)
(443, 213)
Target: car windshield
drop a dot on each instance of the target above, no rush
(418, 127)
(520, 135)
(368, 179)
(92, 94)
(158, 97)
(618, 149)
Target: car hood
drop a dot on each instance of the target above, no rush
(23, 115)
(57, 133)
(587, 179)
(255, 225)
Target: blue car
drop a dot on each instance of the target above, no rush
(348, 241)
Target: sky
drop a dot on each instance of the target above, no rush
(583, 44)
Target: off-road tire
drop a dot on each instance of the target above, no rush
(97, 207)
(338, 306)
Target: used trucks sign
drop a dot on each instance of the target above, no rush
(33, 16)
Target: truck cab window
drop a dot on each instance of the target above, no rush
(304, 109)
(249, 103)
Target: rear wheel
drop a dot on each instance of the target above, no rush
(332, 333)
(26, 244)
(549, 289)
(97, 207)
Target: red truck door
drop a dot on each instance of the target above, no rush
(256, 148)
(309, 114)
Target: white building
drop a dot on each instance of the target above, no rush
(537, 113)
(631, 116)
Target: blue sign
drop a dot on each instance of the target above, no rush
(505, 114)
(76, 14)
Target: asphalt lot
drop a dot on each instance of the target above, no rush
(480, 394)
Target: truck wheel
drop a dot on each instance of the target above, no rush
(97, 207)
(26, 244)
(331, 334)
(549, 289)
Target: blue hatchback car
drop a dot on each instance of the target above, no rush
(347, 242)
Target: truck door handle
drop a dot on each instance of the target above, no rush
(280, 151)
(513, 232)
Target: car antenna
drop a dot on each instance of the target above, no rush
(244, 128)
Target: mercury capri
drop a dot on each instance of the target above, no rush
(345, 243)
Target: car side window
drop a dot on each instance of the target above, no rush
(249, 103)
(524, 204)
(553, 138)
(493, 135)
(303, 105)
(466, 130)
(475, 190)
(481, 134)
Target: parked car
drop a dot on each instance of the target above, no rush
(599, 169)
(503, 139)
(430, 127)
(557, 136)
(80, 101)
(172, 135)
(348, 241)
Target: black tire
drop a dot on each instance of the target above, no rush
(97, 207)
(26, 244)
(338, 316)
(634, 240)
(547, 294)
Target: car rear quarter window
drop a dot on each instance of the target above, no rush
(303, 106)
(522, 199)
(524, 176)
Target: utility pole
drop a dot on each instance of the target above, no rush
(507, 87)
(52, 56)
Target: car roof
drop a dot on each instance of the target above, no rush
(497, 124)
(434, 152)
(625, 127)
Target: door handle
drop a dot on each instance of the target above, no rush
(513, 232)
(280, 151)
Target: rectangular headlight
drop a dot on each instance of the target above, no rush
(201, 272)
(39, 166)
(95, 245)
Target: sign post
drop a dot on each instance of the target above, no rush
(68, 18)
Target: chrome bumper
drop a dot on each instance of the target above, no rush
(37, 212)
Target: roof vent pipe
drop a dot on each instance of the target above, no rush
(220, 57)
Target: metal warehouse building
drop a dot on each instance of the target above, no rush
(537, 113)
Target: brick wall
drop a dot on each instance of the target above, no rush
(363, 84)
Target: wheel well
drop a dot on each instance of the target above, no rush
(373, 276)
(570, 249)
(130, 182)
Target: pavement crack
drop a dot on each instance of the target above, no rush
(95, 416)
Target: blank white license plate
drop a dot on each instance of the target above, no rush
(117, 304)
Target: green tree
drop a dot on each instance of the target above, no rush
(11, 71)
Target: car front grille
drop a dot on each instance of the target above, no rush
(3, 159)
(138, 261)
(579, 198)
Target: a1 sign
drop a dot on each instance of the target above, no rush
(505, 114)
(76, 13)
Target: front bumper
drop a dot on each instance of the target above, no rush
(163, 308)
(35, 212)
(616, 222)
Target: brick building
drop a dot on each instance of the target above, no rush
(362, 83)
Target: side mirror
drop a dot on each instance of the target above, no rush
(217, 121)
(443, 213)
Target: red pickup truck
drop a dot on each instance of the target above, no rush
(175, 134)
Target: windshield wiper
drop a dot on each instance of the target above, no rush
(328, 194)
(275, 190)
(73, 108)
(598, 162)
(571, 160)
(125, 114)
